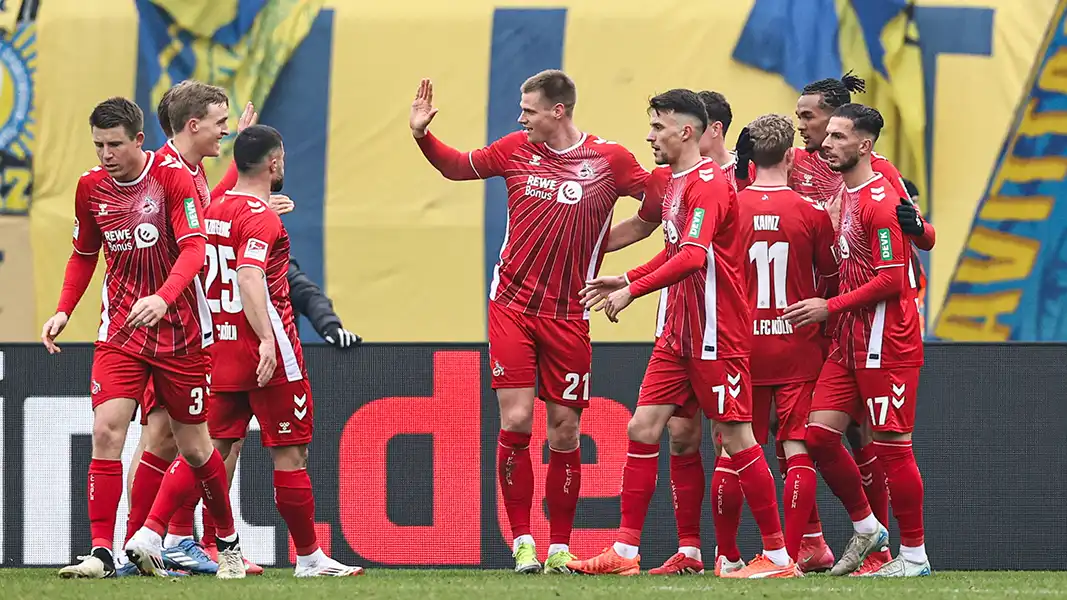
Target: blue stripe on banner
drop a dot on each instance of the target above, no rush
(525, 41)
(299, 107)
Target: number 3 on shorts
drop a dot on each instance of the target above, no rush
(573, 379)
(197, 407)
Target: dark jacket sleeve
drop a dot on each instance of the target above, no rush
(309, 300)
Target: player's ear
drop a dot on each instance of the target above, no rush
(139, 139)
(559, 110)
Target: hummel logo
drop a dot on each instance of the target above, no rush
(103, 210)
(300, 400)
(898, 390)
(302, 410)
(898, 395)
(535, 160)
(878, 193)
(706, 174)
(733, 379)
(867, 479)
(256, 206)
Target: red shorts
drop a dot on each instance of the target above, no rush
(885, 397)
(719, 387)
(285, 413)
(148, 403)
(179, 382)
(792, 403)
(525, 350)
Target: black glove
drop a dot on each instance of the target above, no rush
(339, 337)
(744, 153)
(908, 217)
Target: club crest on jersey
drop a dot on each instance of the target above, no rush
(585, 171)
(149, 206)
(569, 193)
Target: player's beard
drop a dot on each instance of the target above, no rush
(277, 184)
(846, 165)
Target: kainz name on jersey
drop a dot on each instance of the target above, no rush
(765, 222)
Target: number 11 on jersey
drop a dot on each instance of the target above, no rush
(772, 263)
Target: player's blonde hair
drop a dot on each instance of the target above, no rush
(772, 136)
(191, 100)
(557, 87)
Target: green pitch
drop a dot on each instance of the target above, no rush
(38, 584)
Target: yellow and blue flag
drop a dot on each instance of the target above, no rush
(239, 45)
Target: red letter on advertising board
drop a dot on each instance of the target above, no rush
(452, 415)
(605, 421)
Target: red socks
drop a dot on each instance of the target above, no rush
(208, 539)
(212, 479)
(562, 483)
(105, 490)
(296, 503)
(906, 488)
(757, 484)
(638, 485)
(687, 488)
(181, 523)
(874, 482)
(515, 475)
(726, 505)
(146, 482)
(798, 500)
(838, 470)
(179, 484)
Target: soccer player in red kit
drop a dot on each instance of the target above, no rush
(790, 254)
(873, 368)
(142, 210)
(813, 177)
(562, 188)
(701, 358)
(687, 467)
(259, 364)
(200, 111)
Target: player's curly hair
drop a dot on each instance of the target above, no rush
(835, 92)
(771, 136)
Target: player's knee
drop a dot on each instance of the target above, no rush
(685, 435)
(737, 437)
(108, 438)
(563, 430)
(289, 458)
(643, 430)
(516, 417)
(163, 446)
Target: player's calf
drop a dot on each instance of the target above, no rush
(687, 488)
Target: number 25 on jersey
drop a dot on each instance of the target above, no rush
(219, 260)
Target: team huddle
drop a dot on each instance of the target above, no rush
(787, 280)
(197, 331)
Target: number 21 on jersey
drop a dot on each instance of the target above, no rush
(220, 260)
(772, 263)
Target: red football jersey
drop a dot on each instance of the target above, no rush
(138, 224)
(203, 190)
(790, 250)
(243, 232)
(560, 205)
(812, 177)
(887, 334)
(707, 314)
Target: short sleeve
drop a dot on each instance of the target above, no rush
(492, 160)
(254, 238)
(703, 200)
(630, 176)
(883, 231)
(87, 239)
(881, 164)
(184, 209)
(651, 210)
